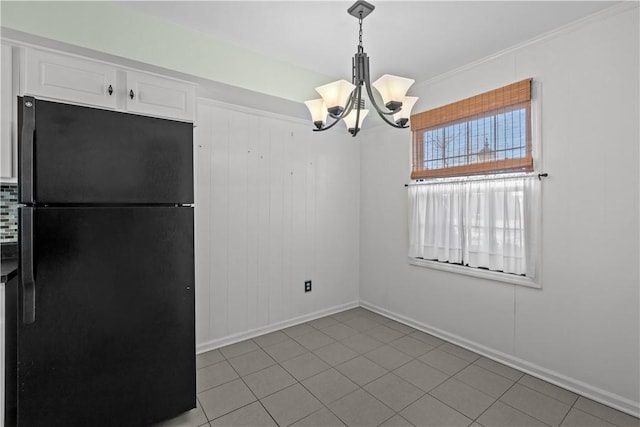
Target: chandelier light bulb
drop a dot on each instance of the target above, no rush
(392, 90)
(350, 119)
(318, 110)
(336, 95)
(402, 117)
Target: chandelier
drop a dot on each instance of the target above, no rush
(342, 100)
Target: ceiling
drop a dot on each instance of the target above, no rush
(417, 39)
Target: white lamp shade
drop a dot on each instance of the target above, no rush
(336, 94)
(350, 119)
(318, 110)
(407, 106)
(392, 88)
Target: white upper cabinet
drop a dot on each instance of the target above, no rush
(158, 96)
(84, 81)
(7, 113)
(69, 78)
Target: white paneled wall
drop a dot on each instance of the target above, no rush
(276, 204)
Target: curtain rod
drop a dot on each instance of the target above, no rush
(478, 178)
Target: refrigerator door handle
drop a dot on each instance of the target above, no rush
(26, 149)
(26, 266)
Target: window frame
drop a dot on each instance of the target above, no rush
(466, 270)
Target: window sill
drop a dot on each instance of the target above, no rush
(476, 272)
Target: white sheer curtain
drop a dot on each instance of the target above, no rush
(436, 222)
(489, 223)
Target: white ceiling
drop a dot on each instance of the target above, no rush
(417, 39)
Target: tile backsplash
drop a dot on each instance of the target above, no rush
(8, 213)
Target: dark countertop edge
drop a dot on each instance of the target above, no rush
(9, 269)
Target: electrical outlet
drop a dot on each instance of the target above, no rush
(307, 286)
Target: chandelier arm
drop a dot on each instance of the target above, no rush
(367, 84)
(379, 110)
(347, 108)
(327, 127)
(337, 119)
(390, 123)
(381, 113)
(386, 120)
(341, 116)
(375, 104)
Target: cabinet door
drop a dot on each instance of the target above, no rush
(70, 78)
(7, 140)
(159, 96)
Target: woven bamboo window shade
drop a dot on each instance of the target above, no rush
(487, 133)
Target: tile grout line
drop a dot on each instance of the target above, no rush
(282, 367)
(517, 409)
(202, 409)
(477, 389)
(222, 383)
(544, 395)
(549, 396)
(424, 393)
(361, 387)
(497, 400)
(321, 402)
(573, 406)
(446, 404)
(449, 406)
(566, 415)
(331, 367)
(334, 367)
(249, 388)
(522, 374)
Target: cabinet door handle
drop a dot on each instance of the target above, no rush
(131, 94)
(110, 90)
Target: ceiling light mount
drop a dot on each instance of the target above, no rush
(342, 100)
(360, 9)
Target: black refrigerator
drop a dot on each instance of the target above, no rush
(100, 318)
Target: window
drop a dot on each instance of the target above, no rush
(487, 133)
(476, 206)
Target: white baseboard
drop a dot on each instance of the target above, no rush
(232, 339)
(599, 395)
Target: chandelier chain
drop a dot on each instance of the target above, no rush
(360, 48)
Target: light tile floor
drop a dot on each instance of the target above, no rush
(358, 368)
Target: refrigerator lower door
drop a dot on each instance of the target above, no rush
(113, 340)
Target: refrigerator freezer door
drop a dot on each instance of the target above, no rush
(113, 339)
(78, 155)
